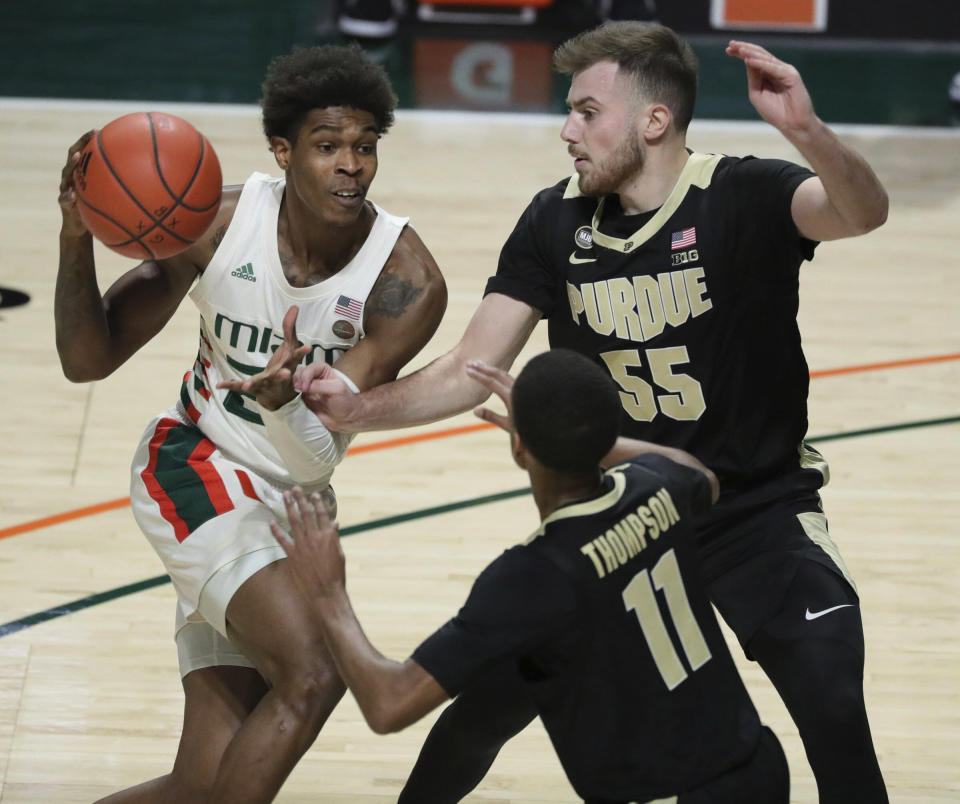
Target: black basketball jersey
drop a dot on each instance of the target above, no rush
(691, 308)
(605, 617)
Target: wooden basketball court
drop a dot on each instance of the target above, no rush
(90, 697)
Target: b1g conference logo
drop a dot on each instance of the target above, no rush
(584, 237)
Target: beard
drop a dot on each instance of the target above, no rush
(617, 169)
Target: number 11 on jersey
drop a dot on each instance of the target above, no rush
(639, 597)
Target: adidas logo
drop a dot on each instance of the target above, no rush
(245, 272)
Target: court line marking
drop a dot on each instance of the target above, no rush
(65, 516)
(909, 361)
(418, 437)
(112, 594)
(30, 620)
(110, 505)
(122, 502)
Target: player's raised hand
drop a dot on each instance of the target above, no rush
(273, 387)
(313, 545)
(73, 224)
(327, 395)
(498, 382)
(775, 87)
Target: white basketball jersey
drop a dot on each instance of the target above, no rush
(243, 296)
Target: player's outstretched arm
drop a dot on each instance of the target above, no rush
(401, 314)
(391, 694)
(626, 448)
(497, 332)
(98, 333)
(845, 198)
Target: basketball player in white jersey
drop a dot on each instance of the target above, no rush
(209, 473)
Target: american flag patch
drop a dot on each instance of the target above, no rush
(348, 307)
(688, 237)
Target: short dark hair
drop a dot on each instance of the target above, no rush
(662, 65)
(566, 410)
(319, 77)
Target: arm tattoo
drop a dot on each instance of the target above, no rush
(217, 238)
(391, 296)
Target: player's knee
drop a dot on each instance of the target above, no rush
(463, 731)
(192, 791)
(309, 688)
(181, 785)
(849, 710)
(837, 714)
(450, 726)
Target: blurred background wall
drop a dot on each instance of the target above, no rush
(865, 61)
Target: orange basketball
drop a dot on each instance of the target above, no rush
(148, 185)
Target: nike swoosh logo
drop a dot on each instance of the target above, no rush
(575, 260)
(812, 615)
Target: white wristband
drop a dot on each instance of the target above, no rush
(308, 449)
(346, 380)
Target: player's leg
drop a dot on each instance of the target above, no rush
(220, 685)
(816, 664)
(770, 570)
(217, 701)
(208, 519)
(467, 737)
(269, 621)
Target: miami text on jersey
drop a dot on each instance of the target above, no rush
(261, 340)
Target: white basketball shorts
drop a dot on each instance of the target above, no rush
(208, 518)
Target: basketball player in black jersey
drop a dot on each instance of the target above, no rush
(580, 612)
(678, 273)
